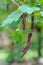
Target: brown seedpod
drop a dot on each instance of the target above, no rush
(24, 21)
(25, 49)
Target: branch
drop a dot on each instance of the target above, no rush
(15, 3)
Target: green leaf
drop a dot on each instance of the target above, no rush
(41, 14)
(26, 8)
(14, 16)
(15, 24)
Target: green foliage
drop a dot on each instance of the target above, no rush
(41, 1)
(27, 9)
(1, 28)
(4, 0)
(15, 24)
(17, 37)
(14, 16)
(10, 58)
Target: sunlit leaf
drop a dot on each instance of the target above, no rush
(26, 8)
(14, 16)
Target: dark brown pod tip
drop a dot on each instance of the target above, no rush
(26, 49)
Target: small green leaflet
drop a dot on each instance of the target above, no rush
(41, 14)
(14, 16)
(26, 8)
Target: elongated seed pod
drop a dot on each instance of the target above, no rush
(32, 22)
(27, 47)
(29, 38)
(24, 21)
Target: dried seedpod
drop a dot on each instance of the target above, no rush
(26, 49)
(27, 46)
(24, 21)
(29, 38)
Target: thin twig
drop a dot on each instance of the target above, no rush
(15, 3)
